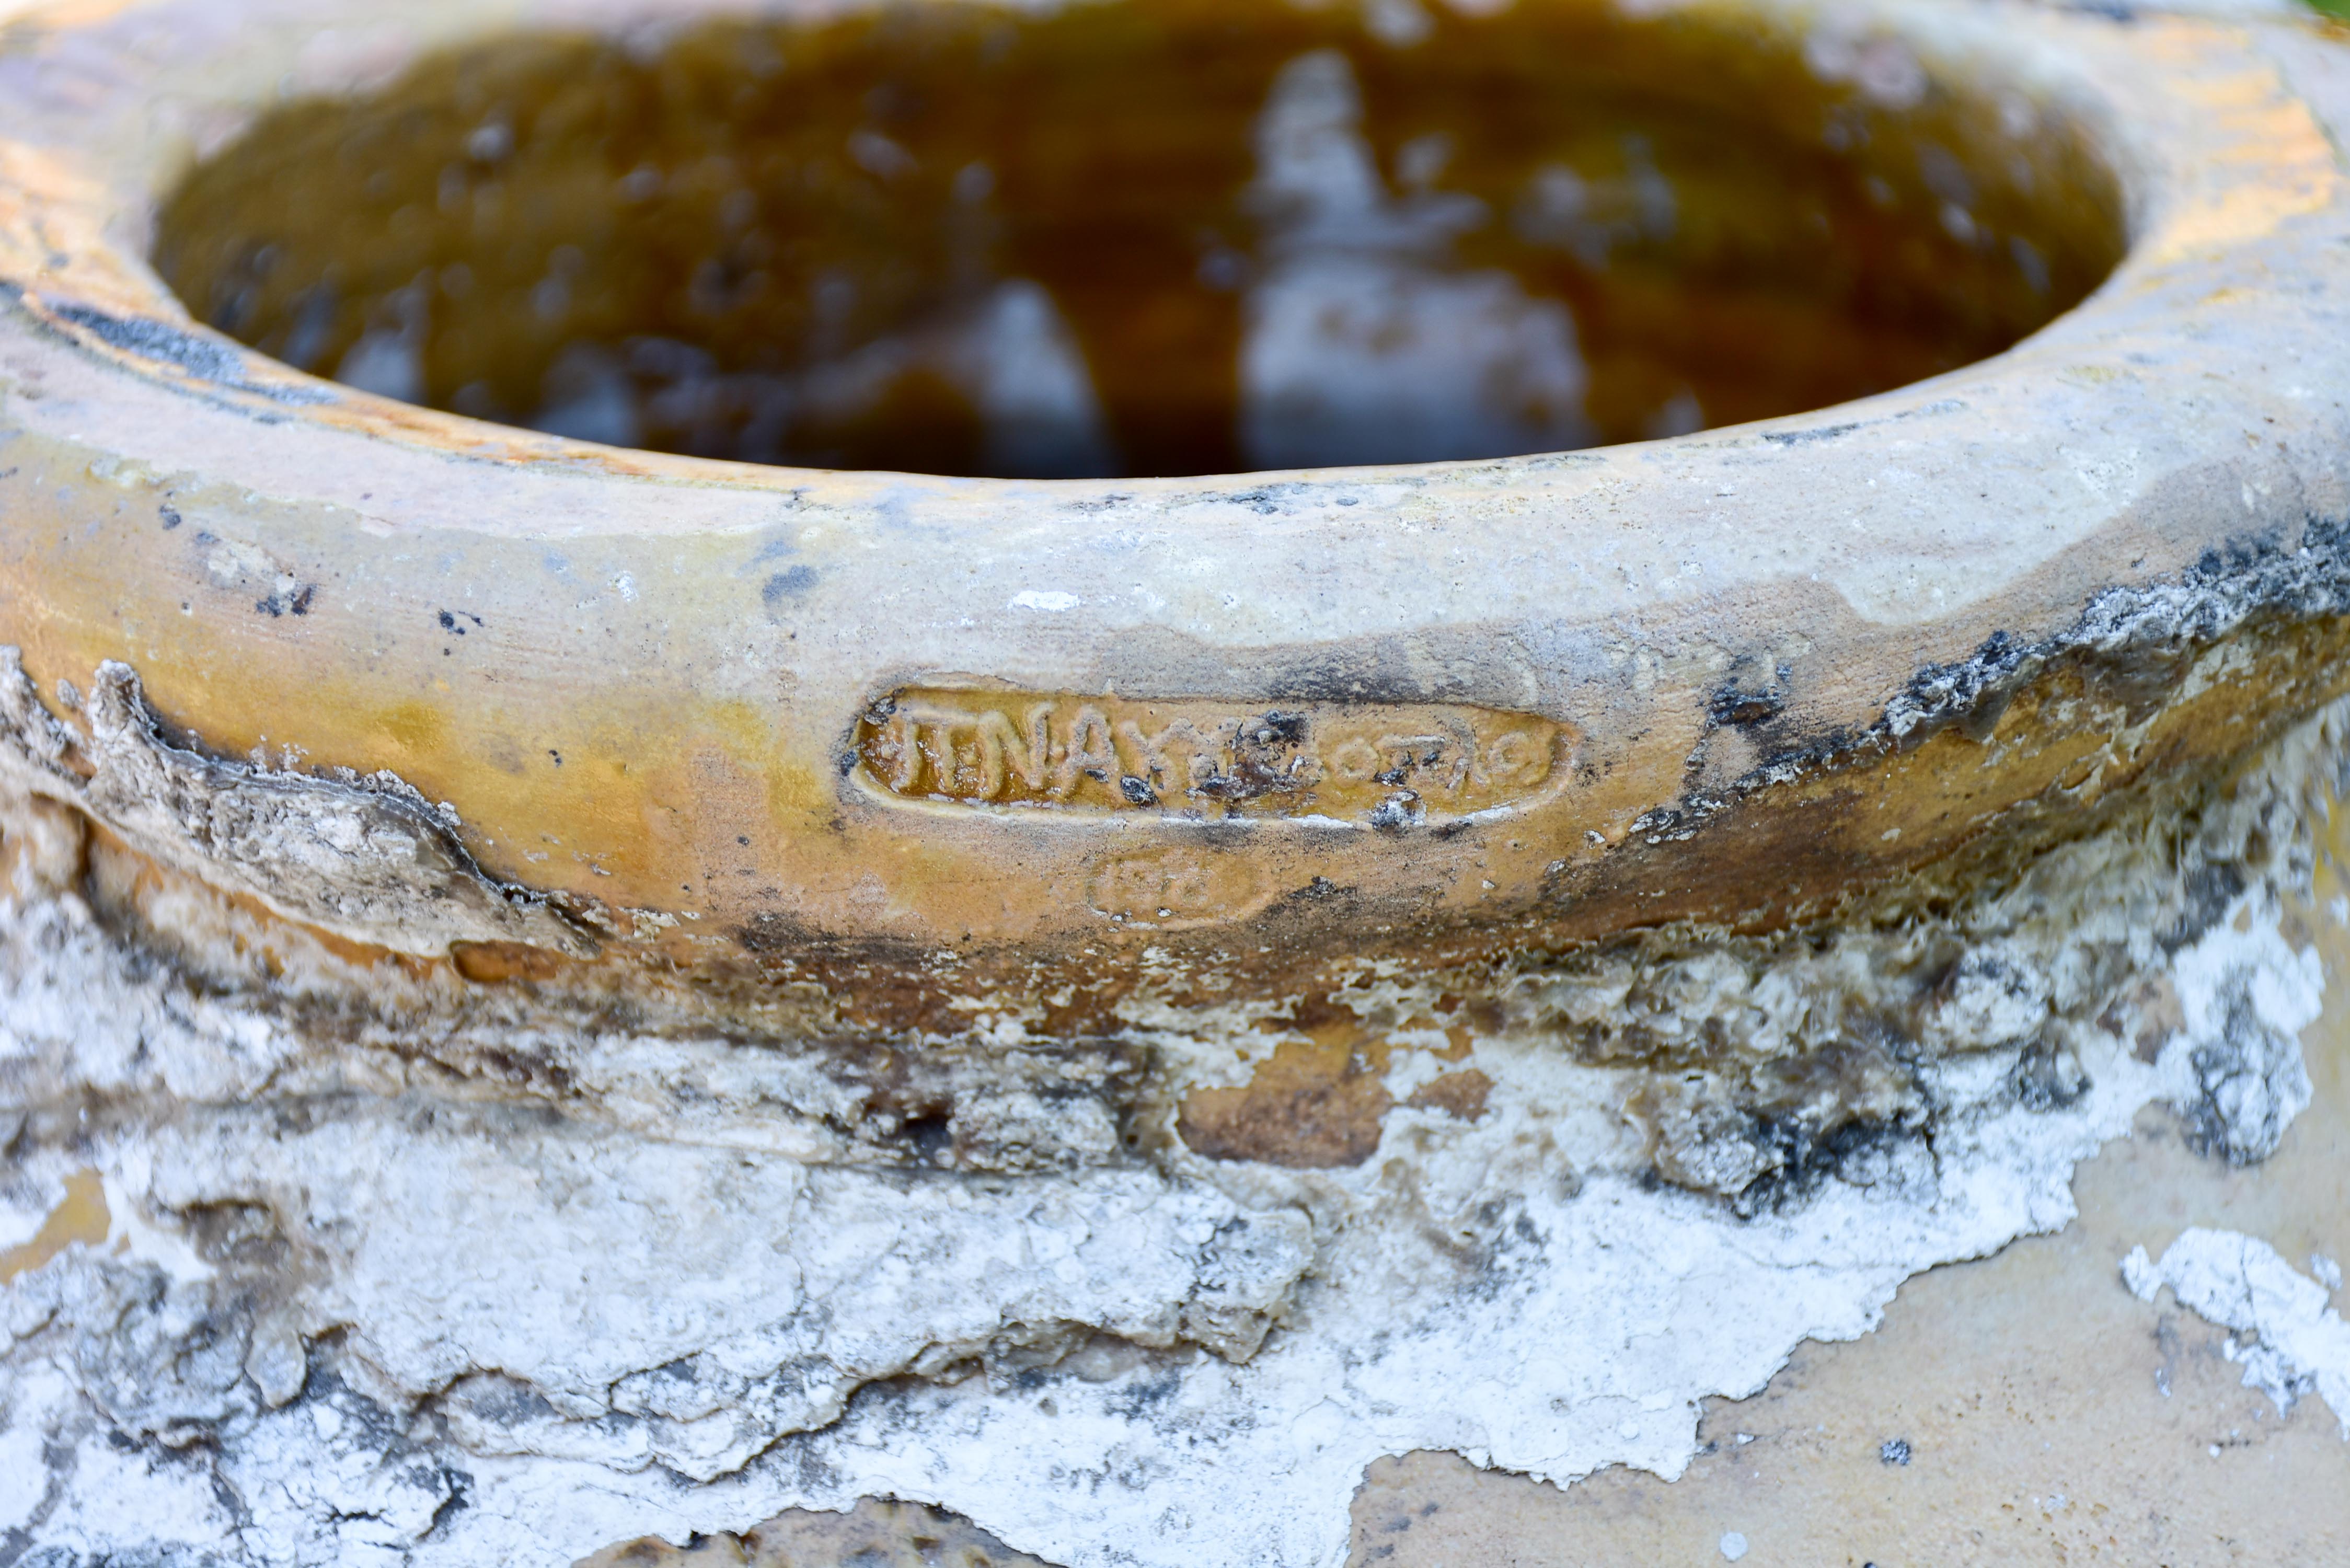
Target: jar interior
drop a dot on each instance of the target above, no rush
(1149, 237)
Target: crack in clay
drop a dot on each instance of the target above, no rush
(2147, 635)
(365, 856)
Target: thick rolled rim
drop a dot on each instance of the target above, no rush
(682, 699)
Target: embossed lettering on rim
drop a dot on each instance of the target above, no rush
(1383, 765)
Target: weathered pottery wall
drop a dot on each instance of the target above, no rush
(1332, 815)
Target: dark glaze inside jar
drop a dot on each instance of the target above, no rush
(1148, 236)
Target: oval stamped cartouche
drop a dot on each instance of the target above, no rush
(1382, 765)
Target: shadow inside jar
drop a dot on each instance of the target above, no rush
(1148, 237)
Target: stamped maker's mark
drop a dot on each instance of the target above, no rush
(1169, 889)
(1385, 765)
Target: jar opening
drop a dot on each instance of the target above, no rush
(1148, 236)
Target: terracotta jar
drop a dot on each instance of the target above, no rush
(1266, 637)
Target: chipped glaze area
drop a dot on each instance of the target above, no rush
(2294, 1342)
